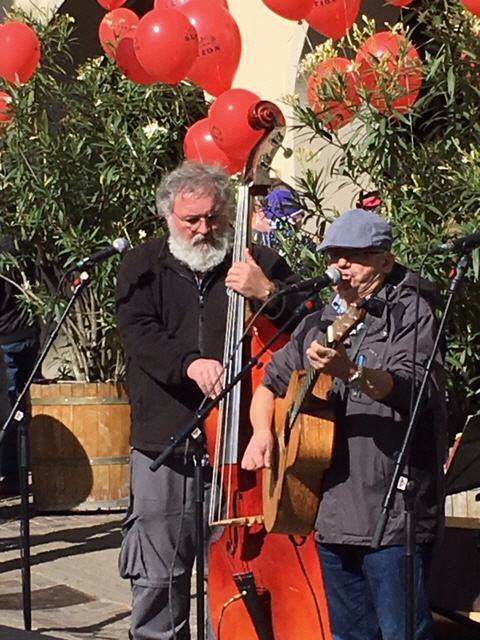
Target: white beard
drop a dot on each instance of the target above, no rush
(200, 255)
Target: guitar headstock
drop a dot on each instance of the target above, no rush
(343, 324)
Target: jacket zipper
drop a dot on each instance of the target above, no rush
(202, 284)
(201, 300)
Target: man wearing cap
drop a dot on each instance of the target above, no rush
(373, 378)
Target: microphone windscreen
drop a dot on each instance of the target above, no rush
(120, 244)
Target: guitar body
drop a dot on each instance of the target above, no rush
(301, 454)
(303, 441)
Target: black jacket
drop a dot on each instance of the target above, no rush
(167, 320)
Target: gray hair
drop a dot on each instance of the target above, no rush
(195, 177)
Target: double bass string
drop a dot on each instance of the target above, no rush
(226, 444)
(233, 357)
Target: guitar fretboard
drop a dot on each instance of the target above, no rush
(335, 334)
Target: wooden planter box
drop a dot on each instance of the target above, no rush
(79, 446)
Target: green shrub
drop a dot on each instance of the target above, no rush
(78, 167)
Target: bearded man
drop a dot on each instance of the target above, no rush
(172, 308)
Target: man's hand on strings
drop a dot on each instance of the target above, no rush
(248, 279)
(258, 453)
(334, 362)
(208, 374)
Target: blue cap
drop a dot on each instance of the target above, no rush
(281, 203)
(358, 229)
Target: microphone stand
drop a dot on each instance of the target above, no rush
(18, 416)
(400, 480)
(194, 430)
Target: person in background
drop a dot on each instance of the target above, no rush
(280, 205)
(19, 344)
(277, 222)
(373, 378)
(172, 297)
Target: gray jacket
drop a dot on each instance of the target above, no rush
(369, 433)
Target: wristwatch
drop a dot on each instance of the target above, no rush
(272, 288)
(355, 381)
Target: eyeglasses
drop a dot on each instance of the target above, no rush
(193, 220)
(351, 255)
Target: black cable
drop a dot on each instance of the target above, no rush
(415, 333)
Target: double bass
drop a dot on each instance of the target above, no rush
(261, 586)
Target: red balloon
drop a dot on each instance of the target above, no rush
(166, 45)
(389, 65)
(113, 26)
(333, 112)
(400, 3)
(176, 4)
(333, 18)
(19, 52)
(6, 107)
(111, 4)
(472, 5)
(229, 124)
(219, 45)
(127, 60)
(200, 146)
(290, 9)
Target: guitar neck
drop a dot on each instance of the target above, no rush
(308, 384)
(335, 334)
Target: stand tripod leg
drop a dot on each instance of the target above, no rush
(24, 522)
(199, 461)
(410, 550)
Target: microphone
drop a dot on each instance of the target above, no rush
(119, 245)
(460, 245)
(331, 276)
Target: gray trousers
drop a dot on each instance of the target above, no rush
(158, 548)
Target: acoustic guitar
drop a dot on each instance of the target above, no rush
(303, 441)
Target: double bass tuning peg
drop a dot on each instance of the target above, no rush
(287, 151)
